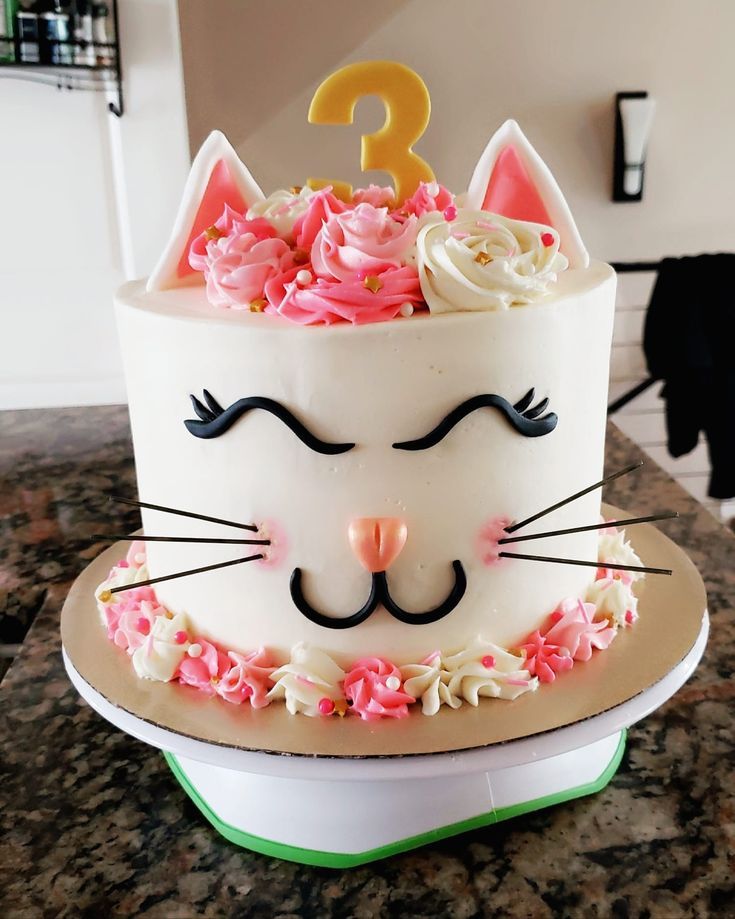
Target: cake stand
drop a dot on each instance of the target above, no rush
(339, 792)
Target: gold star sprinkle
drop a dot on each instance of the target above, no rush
(483, 258)
(105, 596)
(340, 707)
(213, 232)
(296, 189)
(257, 306)
(372, 283)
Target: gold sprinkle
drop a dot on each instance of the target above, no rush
(168, 614)
(105, 596)
(300, 256)
(257, 306)
(372, 283)
(296, 189)
(340, 707)
(213, 232)
(483, 258)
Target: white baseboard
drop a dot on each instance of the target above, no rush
(58, 393)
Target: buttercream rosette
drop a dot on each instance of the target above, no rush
(306, 680)
(482, 261)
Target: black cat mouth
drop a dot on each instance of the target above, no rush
(380, 594)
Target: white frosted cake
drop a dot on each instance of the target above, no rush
(381, 389)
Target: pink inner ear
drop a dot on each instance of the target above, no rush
(220, 190)
(510, 191)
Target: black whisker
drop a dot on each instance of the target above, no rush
(585, 564)
(593, 526)
(183, 574)
(108, 537)
(172, 510)
(616, 475)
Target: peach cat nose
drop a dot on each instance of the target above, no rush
(377, 541)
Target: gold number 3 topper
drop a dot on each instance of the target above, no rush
(407, 110)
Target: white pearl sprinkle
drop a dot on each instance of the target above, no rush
(393, 683)
(406, 310)
(195, 650)
(304, 277)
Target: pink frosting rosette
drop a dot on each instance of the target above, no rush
(205, 671)
(247, 678)
(328, 301)
(428, 197)
(377, 195)
(374, 688)
(322, 206)
(130, 603)
(545, 659)
(572, 627)
(238, 263)
(363, 241)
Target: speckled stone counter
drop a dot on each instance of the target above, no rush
(93, 823)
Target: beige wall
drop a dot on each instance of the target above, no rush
(251, 68)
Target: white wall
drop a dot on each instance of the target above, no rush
(87, 201)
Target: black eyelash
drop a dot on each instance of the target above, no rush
(523, 416)
(215, 420)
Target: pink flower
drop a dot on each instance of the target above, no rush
(247, 678)
(377, 195)
(205, 671)
(572, 627)
(332, 301)
(544, 659)
(373, 685)
(322, 206)
(131, 620)
(238, 263)
(429, 196)
(364, 241)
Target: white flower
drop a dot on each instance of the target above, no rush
(482, 261)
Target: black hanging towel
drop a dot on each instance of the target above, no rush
(689, 342)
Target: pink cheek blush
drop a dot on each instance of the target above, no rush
(276, 552)
(488, 538)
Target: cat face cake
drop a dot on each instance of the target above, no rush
(353, 402)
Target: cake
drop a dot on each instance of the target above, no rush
(373, 390)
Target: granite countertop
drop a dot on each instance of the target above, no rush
(93, 823)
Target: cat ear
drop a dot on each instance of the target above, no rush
(512, 180)
(217, 177)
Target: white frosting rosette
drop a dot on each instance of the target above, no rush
(429, 681)
(282, 208)
(482, 261)
(159, 656)
(484, 669)
(613, 598)
(613, 548)
(310, 676)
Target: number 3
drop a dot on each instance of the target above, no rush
(407, 109)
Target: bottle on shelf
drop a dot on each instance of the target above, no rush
(84, 52)
(102, 30)
(28, 36)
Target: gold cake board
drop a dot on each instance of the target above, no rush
(671, 611)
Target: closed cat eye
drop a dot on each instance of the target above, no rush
(527, 419)
(214, 421)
